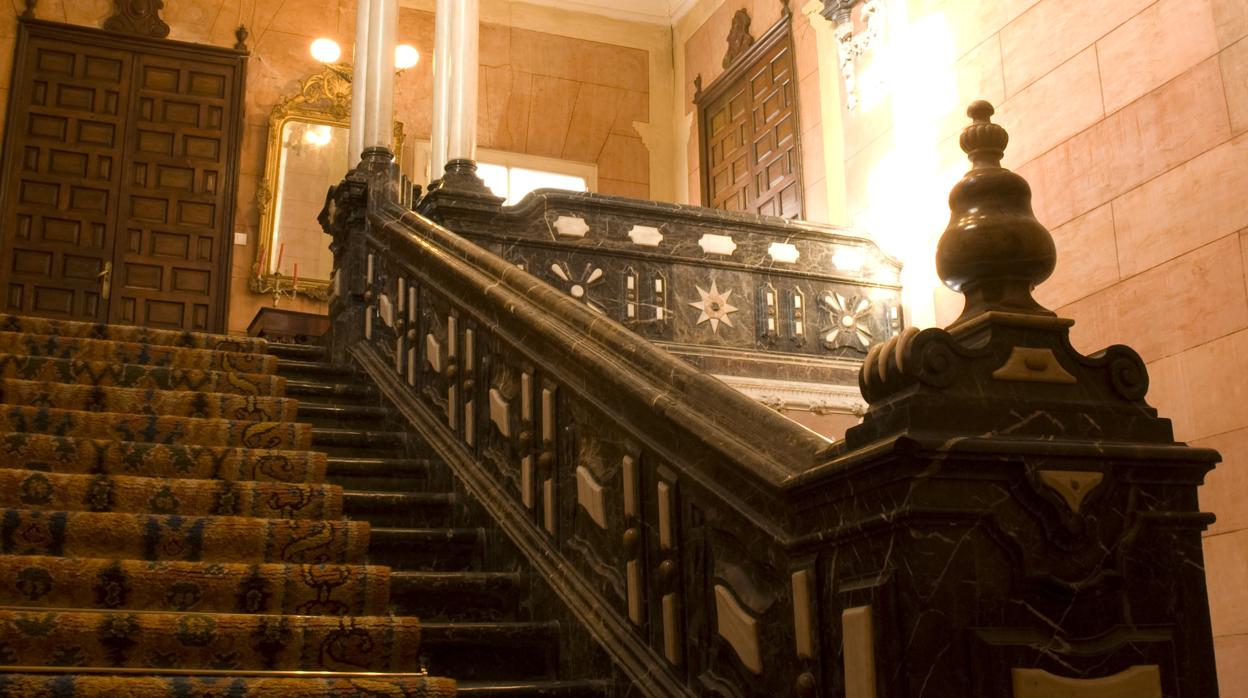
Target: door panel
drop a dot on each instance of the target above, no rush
(118, 178)
(62, 156)
(749, 130)
(169, 262)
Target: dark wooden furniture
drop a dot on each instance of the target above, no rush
(288, 326)
(749, 133)
(119, 170)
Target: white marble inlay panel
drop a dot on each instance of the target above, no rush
(783, 252)
(739, 628)
(645, 235)
(712, 243)
(589, 495)
(571, 226)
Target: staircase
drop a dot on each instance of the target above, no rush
(198, 515)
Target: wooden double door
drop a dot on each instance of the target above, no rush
(119, 172)
(751, 157)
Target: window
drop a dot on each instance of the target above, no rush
(513, 175)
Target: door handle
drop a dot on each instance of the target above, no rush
(106, 280)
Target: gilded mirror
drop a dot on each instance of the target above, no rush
(307, 154)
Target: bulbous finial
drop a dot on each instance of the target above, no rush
(983, 141)
(994, 251)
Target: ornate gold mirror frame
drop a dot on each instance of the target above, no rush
(324, 99)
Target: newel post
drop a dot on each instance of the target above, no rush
(1053, 533)
(345, 219)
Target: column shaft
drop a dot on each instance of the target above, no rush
(463, 114)
(379, 79)
(442, 76)
(359, 82)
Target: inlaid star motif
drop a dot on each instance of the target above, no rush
(715, 307)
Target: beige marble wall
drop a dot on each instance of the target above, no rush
(1131, 123)
(541, 93)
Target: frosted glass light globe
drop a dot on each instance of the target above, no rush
(405, 56)
(326, 50)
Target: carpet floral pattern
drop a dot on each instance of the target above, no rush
(165, 528)
(103, 373)
(76, 455)
(170, 403)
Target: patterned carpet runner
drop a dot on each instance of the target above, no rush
(165, 531)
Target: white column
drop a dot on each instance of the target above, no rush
(359, 81)
(443, 19)
(465, 31)
(383, 19)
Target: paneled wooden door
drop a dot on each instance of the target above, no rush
(119, 169)
(751, 157)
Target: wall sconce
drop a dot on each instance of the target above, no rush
(405, 56)
(326, 50)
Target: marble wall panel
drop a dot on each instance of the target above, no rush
(1067, 27)
(1195, 203)
(1234, 62)
(1052, 109)
(1087, 259)
(1154, 46)
(1170, 126)
(1176, 306)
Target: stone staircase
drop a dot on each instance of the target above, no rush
(477, 624)
(199, 515)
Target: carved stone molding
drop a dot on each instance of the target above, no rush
(739, 38)
(140, 17)
(853, 45)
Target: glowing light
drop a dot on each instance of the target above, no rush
(405, 56)
(317, 136)
(326, 50)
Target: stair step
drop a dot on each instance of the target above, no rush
(343, 416)
(298, 352)
(322, 370)
(160, 682)
(484, 651)
(408, 509)
(338, 393)
(425, 548)
(364, 473)
(442, 596)
(351, 442)
(535, 689)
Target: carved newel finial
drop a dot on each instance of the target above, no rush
(994, 251)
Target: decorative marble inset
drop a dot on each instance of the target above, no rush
(578, 286)
(500, 412)
(385, 309)
(713, 243)
(1136, 682)
(739, 628)
(1073, 485)
(804, 622)
(715, 307)
(858, 631)
(646, 236)
(849, 321)
(785, 252)
(571, 226)
(590, 496)
(1033, 365)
